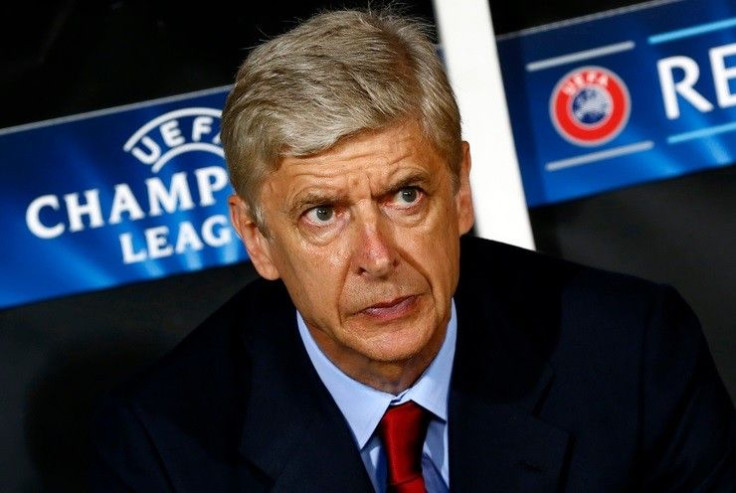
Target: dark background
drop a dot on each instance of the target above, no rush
(61, 58)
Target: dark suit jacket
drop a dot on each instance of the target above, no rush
(565, 379)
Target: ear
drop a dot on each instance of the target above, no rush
(257, 245)
(463, 196)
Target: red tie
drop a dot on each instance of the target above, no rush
(402, 430)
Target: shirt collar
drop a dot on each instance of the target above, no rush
(364, 406)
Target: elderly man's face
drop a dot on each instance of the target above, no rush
(366, 239)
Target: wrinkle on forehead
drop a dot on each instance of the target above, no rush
(356, 163)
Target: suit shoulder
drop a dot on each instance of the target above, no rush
(206, 363)
(520, 271)
(194, 396)
(557, 300)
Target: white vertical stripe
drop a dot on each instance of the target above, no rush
(467, 38)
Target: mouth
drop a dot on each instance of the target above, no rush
(391, 309)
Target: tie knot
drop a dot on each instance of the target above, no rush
(402, 430)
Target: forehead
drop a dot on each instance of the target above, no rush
(377, 157)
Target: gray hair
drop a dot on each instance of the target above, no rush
(336, 75)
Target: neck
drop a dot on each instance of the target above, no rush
(392, 377)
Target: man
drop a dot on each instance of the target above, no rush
(384, 353)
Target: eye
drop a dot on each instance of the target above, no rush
(407, 196)
(320, 215)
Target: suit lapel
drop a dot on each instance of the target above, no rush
(293, 431)
(497, 447)
(500, 378)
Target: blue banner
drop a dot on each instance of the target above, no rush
(624, 97)
(116, 196)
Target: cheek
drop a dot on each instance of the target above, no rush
(437, 242)
(440, 258)
(434, 255)
(320, 274)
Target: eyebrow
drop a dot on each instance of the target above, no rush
(314, 197)
(411, 178)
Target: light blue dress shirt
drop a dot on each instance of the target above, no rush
(364, 406)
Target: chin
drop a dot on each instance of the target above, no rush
(402, 345)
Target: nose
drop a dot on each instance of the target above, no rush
(375, 253)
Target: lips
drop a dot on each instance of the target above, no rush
(391, 309)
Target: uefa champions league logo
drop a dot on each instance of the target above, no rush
(590, 106)
(181, 212)
(175, 133)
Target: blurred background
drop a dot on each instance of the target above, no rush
(67, 57)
